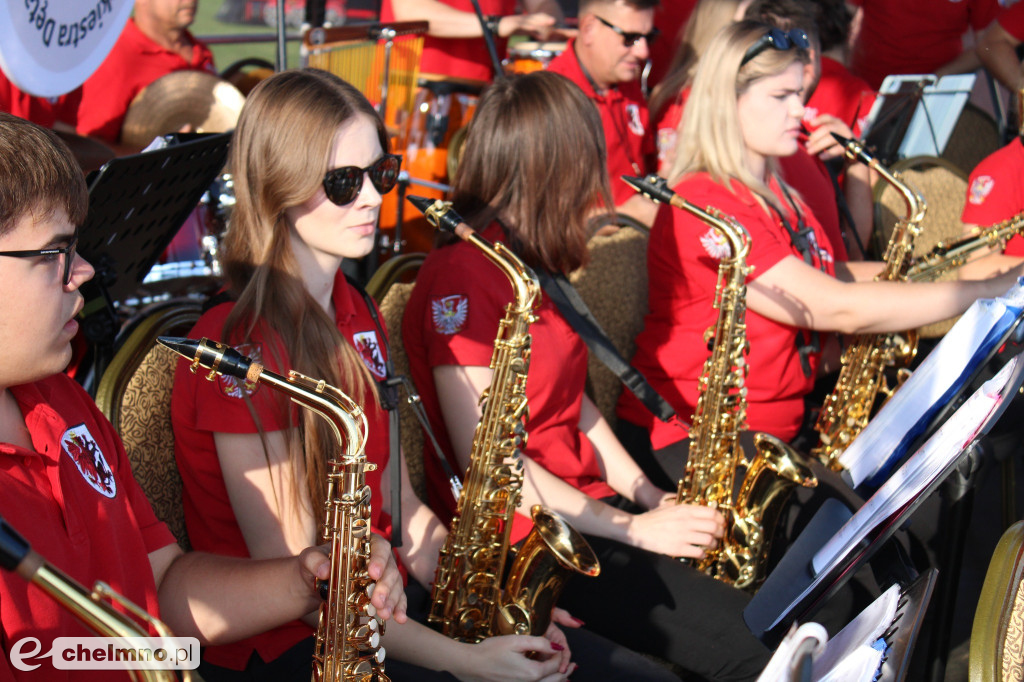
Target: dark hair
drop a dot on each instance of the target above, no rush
(38, 175)
(586, 5)
(833, 23)
(787, 14)
(535, 159)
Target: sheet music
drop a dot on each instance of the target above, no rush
(888, 435)
(809, 636)
(936, 115)
(922, 467)
(861, 632)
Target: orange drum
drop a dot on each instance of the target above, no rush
(528, 56)
(443, 105)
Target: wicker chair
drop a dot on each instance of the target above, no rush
(944, 188)
(975, 136)
(135, 395)
(614, 287)
(997, 638)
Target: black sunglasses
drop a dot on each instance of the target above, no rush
(779, 39)
(342, 185)
(68, 252)
(631, 38)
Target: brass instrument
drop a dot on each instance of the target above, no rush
(849, 406)
(93, 608)
(348, 635)
(715, 453)
(468, 602)
(946, 256)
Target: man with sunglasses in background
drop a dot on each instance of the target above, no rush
(606, 60)
(68, 489)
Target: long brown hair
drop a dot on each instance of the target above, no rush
(535, 159)
(280, 152)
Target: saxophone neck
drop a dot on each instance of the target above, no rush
(856, 151)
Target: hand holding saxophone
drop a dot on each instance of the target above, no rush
(677, 530)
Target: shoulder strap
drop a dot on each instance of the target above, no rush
(565, 297)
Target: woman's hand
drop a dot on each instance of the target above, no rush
(504, 659)
(678, 530)
(821, 143)
(558, 641)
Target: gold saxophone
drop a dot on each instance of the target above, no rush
(93, 608)
(847, 409)
(715, 453)
(946, 256)
(468, 602)
(348, 635)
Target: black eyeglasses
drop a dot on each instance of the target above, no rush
(68, 252)
(631, 38)
(779, 39)
(342, 185)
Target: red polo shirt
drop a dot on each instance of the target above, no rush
(459, 57)
(199, 408)
(682, 265)
(75, 501)
(454, 321)
(914, 36)
(627, 129)
(135, 62)
(807, 174)
(1012, 20)
(44, 111)
(842, 95)
(669, 18)
(995, 191)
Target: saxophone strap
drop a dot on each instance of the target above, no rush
(568, 301)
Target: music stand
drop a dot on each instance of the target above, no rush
(137, 204)
(792, 591)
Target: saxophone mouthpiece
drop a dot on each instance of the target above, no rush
(652, 186)
(441, 215)
(13, 547)
(855, 149)
(845, 141)
(213, 355)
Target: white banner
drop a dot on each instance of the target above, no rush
(49, 47)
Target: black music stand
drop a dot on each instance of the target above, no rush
(793, 592)
(136, 205)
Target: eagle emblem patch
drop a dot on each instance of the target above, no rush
(237, 388)
(715, 244)
(369, 350)
(636, 126)
(980, 189)
(449, 313)
(78, 444)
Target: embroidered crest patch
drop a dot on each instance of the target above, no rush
(980, 189)
(636, 126)
(369, 350)
(237, 388)
(449, 313)
(715, 244)
(81, 447)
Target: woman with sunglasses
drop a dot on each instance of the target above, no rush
(535, 199)
(310, 164)
(743, 115)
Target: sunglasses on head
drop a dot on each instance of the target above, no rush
(779, 39)
(631, 38)
(342, 185)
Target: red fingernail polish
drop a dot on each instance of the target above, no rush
(578, 620)
(557, 647)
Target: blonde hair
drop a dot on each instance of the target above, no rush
(710, 139)
(708, 18)
(281, 149)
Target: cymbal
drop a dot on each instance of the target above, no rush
(90, 153)
(193, 100)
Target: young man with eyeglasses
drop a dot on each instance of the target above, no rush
(66, 481)
(606, 60)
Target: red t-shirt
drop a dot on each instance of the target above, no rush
(995, 191)
(459, 57)
(1012, 20)
(627, 129)
(44, 111)
(842, 95)
(454, 321)
(199, 408)
(669, 18)
(75, 501)
(667, 126)
(914, 36)
(135, 62)
(807, 174)
(682, 266)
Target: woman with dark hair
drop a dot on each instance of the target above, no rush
(744, 114)
(531, 174)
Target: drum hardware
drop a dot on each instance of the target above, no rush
(528, 56)
(394, 246)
